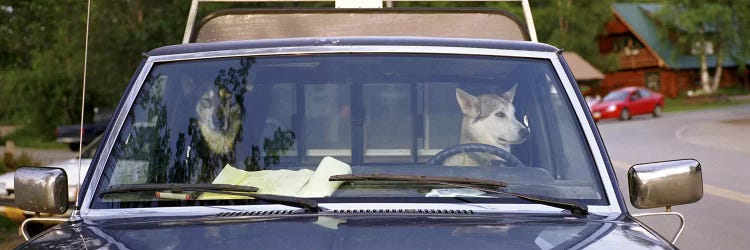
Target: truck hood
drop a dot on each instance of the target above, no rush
(352, 232)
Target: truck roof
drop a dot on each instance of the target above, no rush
(253, 24)
(352, 41)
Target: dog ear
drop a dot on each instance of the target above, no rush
(469, 104)
(510, 93)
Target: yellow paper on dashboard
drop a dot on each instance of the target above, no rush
(301, 183)
(319, 185)
(229, 175)
(278, 182)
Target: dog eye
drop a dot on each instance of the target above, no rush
(500, 114)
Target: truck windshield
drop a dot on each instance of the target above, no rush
(286, 124)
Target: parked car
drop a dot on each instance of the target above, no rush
(624, 103)
(350, 142)
(71, 134)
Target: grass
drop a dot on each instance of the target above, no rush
(27, 139)
(734, 90)
(683, 103)
(680, 104)
(7, 227)
(9, 237)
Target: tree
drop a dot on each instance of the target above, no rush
(741, 18)
(42, 47)
(706, 29)
(575, 26)
(37, 77)
(567, 24)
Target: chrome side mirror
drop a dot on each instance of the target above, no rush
(42, 190)
(665, 184)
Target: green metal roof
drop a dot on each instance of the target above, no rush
(638, 17)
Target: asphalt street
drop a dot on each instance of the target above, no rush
(720, 140)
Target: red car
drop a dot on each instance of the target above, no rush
(626, 102)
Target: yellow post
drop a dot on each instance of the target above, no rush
(14, 214)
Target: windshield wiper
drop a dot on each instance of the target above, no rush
(308, 204)
(570, 206)
(470, 183)
(176, 188)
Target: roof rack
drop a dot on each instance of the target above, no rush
(359, 4)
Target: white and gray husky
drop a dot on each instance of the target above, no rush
(487, 119)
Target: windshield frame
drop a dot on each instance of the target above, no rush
(614, 206)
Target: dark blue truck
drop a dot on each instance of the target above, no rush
(71, 134)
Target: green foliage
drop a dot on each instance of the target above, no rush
(686, 23)
(692, 25)
(27, 138)
(42, 53)
(9, 237)
(41, 80)
(575, 26)
(740, 10)
(7, 228)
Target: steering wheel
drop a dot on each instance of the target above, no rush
(440, 157)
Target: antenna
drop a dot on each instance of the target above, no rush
(83, 104)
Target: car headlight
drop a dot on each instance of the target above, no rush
(611, 108)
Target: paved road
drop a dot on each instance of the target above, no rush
(720, 140)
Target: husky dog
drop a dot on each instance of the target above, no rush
(219, 120)
(487, 119)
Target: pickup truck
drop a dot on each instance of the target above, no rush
(71, 134)
(253, 135)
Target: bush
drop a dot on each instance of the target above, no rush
(3, 169)
(7, 161)
(27, 138)
(11, 163)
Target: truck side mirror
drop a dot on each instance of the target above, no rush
(42, 190)
(665, 184)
